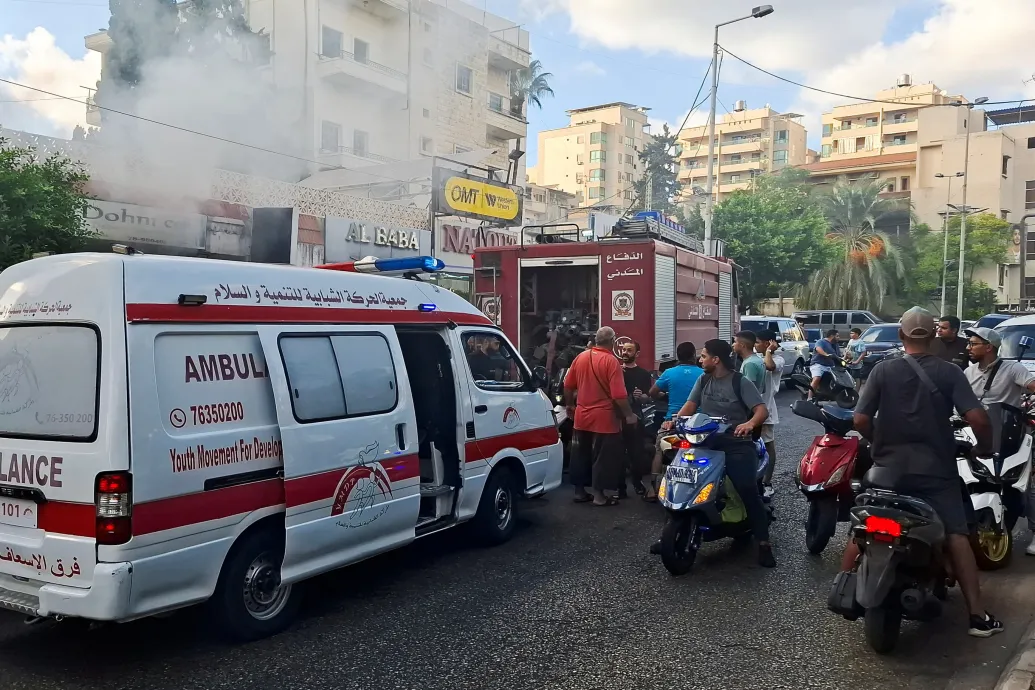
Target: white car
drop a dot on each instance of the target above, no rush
(1012, 330)
(793, 345)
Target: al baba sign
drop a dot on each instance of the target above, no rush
(461, 194)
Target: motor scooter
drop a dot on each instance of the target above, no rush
(701, 502)
(827, 469)
(836, 385)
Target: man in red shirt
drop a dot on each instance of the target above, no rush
(603, 404)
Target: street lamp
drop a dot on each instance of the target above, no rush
(756, 13)
(963, 216)
(945, 237)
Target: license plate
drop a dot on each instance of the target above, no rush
(18, 512)
(684, 475)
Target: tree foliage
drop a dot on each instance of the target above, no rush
(867, 268)
(776, 231)
(660, 162)
(140, 30)
(533, 84)
(41, 205)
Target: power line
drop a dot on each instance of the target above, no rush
(62, 2)
(30, 100)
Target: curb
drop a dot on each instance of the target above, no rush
(1019, 673)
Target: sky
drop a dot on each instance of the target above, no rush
(653, 53)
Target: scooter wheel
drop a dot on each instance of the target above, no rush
(821, 523)
(992, 551)
(679, 544)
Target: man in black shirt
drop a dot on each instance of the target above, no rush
(908, 424)
(948, 345)
(638, 382)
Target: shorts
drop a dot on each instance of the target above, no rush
(942, 494)
(817, 370)
(768, 433)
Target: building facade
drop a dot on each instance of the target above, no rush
(548, 204)
(748, 143)
(596, 155)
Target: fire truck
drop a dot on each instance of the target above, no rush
(650, 282)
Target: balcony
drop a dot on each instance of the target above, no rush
(900, 126)
(385, 9)
(363, 75)
(99, 42)
(749, 146)
(93, 113)
(349, 157)
(742, 166)
(506, 55)
(503, 121)
(729, 187)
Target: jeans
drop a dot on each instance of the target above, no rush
(636, 460)
(742, 469)
(597, 460)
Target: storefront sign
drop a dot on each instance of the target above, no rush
(464, 239)
(347, 239)
(143, 225)
(471, 197)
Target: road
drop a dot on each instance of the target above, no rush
(573, 601)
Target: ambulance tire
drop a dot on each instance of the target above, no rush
(244, 589)
(497, 511)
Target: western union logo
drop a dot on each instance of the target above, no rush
(480, 198)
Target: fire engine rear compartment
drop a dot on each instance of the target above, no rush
(562, 295)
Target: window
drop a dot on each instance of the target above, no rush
(734, 178)
(824, 152)
(361, 50)
(630, 124)
(580, 140)
(735, 158)
(1002, 275)
(846, 125)
(598, 138)
(496, 102)
(464, 77)
(898, 140)
(332, 41)
(1029, 249)
(1029, 194)
(737, 139)
(426, 145)
(330, 133)
(779, 156)
(904, 186)
(1006, 166)
(429, 57)
(628, 159)
(596, 175)
(890, 186)
(1031, 142)
(861, 317)
(597, 156)
(826, 319)
(360, 142)
(828, 130)
(46, 393)
(579, 160)
(1004, 214)
(427, 113)
(427, 27)
(781, 136)
(756, 156)
(899, 118)
(871, 122)
(629, 194)
(327, 381)
(841, 317)
(595, 192)
(493, 364)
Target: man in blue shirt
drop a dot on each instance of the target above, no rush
(677, 383)
(824, 357)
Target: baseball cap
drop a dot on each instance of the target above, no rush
(987, 334)
(918, 323)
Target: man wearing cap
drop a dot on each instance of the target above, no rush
(996, 380)
(904, 411)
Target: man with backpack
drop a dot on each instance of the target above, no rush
(724, 392)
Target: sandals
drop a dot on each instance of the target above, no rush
(586, 498)
(608, 501)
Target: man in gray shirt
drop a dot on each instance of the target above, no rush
(714, 395)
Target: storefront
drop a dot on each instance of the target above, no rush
(455, 242)
(349, 239)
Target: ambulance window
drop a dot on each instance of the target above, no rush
(367, 372)
(45, 393)
(313, 379)
(493, 364)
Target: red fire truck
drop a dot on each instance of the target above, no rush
(650, 283)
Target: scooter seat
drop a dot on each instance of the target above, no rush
(881, 478)
(838, 419)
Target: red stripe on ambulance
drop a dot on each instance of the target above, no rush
(486, 448)
(318, 487)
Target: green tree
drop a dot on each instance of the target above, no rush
(42, 205)
(867, 268)
(776, 232)
(533, 84)
(988, 238)
(140, 31)
(660, 162)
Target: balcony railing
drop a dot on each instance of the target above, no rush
(891, 121)
(376, 66)
(506, 106)
(896, 143)
(359, 153)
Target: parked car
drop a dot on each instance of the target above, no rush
(844, 320)
(793, 345)
(991, 320)
(1012, 330)
(878, 339)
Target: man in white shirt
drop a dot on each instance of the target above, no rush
(769, 349)
(996, 380)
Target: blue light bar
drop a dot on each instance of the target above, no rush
(426, 307)
(426, 264)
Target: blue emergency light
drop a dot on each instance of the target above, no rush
(370, 264)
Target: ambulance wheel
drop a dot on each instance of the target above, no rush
(250, 602)
(494, 522)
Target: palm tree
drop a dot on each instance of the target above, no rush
(532, 84)
(868, 265)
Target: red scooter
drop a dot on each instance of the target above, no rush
(826, 470)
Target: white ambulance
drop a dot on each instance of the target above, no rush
(180, 430)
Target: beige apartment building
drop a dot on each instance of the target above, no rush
(748, 143)
(596, 155)
(547, 204)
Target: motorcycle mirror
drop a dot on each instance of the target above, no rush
(541, 378)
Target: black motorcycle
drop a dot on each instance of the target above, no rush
(836, 385)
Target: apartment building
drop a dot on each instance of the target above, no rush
(381, 81)
(596, 155)
(747, 143)
(547, 204)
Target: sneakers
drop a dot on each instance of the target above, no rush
(1031, 548)
(984, 626)
(765, 556)
(768, 491)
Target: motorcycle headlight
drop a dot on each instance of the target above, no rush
(1013, 474)
(979, 470)
(696, 439)
(837, 476)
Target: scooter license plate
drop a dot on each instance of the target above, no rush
(683, 475)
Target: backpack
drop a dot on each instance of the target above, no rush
(738, 379)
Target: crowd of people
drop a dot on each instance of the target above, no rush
(904, 412)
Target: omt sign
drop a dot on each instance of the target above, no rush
(458, 194)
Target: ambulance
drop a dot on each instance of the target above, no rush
(176, 431)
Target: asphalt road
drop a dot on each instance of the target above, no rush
(573, 601)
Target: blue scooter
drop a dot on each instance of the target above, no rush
(701, 502)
